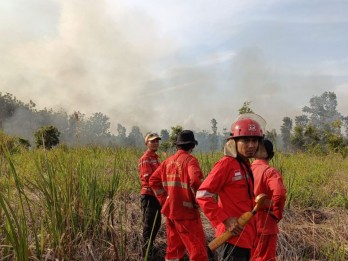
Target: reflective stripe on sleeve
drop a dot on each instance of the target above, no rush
(204, 194)
(159, 191)
(240, 177)
(148, 161)
(175, 184)
(187, 204)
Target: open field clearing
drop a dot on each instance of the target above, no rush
(84, 204)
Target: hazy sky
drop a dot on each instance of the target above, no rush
(157, 64)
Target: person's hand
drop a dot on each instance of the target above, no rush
(232, 225)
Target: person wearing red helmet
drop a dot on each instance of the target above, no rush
(175, 183)
(232, 180)
(267, 181)
(150, 206)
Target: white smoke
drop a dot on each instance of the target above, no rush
(106, 56)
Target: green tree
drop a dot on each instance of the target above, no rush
(322, 111)
(311, 136)
(170, 143)
(297, 138)
(345, 124)
(285, 130)
(213, 138)
(121, 138)
(174, 134)
(335, 139)
(164, 134)
(271, 135)
(98, 125)
(246, 108)
(47, 137)
(135, 137)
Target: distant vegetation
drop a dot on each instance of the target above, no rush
(321, 128)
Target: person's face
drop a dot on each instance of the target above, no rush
(153, 145)
(247, 146)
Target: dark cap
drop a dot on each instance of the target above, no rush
(186, 137)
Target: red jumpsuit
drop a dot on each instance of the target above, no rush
(268, 181)
(232, 182)
(175, 183)
(150, 206)
(148, 163)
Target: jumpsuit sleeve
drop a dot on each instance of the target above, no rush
(156, 185)
(208, 190)
(145, 170)
(195, 175)
(275, 184)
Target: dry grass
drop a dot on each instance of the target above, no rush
(305, 234)
(313, 234)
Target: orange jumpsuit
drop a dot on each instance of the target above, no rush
(175, 183)
(148, 163)
(231, 180)
(150, 206)
(268, 181)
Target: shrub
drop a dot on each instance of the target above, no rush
(47, 137)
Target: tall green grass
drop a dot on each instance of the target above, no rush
(59, 200)
(314, 181)
(83, 203)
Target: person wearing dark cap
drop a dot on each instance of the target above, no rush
(150, 206)
(175, 184)
(267, 180)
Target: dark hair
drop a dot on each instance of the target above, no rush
(269, 148)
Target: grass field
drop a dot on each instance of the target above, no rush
(84, 204)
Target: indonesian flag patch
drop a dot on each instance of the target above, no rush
(237, 173)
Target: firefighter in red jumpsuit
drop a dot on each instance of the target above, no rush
(232, 180)
(175, 183)
(268, 181)
(150, 206)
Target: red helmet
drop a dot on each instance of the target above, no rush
(246, 128)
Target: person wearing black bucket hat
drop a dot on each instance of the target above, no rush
(267, 180)
(186, 137)
(175, 184)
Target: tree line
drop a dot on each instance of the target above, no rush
(321, 128)
(33, 127)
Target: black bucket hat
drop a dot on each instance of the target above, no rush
(186, 137)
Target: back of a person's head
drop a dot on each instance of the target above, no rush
(268, 145)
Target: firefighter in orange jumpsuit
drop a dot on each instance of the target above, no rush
(175, 183)
(268, 181)
(232, 180)
(150, 206)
